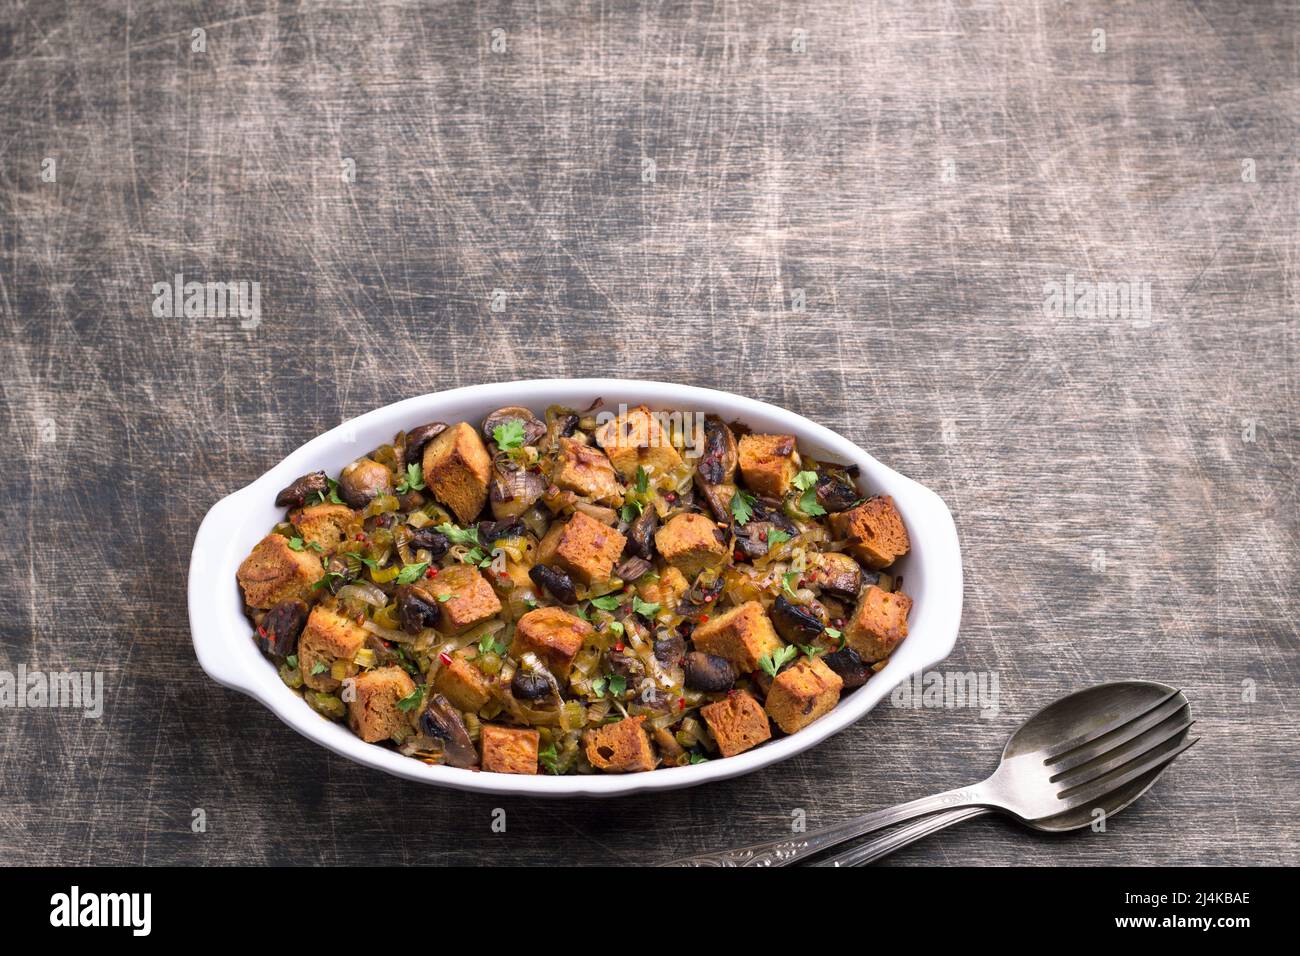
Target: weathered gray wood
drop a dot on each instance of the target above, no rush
(921, 172)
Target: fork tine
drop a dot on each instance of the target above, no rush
(1084, 739)
(1122, 755)
(1081, 796)
(1112, 741)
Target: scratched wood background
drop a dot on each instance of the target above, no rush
(1125, 487)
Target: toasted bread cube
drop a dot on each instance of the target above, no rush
(274, 572)
(509, 749)
(587, 471)
(323, 526)
(457, 468)
(583, 547)
(666, 590)
(554, 635)
(768, 463)
(691, 542)
(463, 684)
(623, 747)
(465, 595)
(742, 635)
(875, 531)
(737, 723)
(373, 711)
(803, 692)
(879, 624)
(635, 439)
(327, 637)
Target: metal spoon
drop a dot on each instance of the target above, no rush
(1097, 749)
(879, 847)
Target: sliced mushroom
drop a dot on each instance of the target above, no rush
(418, 437)
(277, 635)
(534, 428)
(514, 490)
(852, 669)
(718, 463)
(641, 534)
(838, 574)
(835, 492)
(363, 481)
(416, 608)
(431, 540)
(529, 685)
(559, 584)
(490, 531)
(296, 494)
(441, 722)
(633, 569)
(670, 649)
(709, 673)
(796, 624)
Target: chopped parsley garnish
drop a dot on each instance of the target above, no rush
(606, 602)
(295, 544)
(292, 661)
(642, 480)
(458, 535)
(631, 510)
(371, 563)
(411, 700)
(444, 598)
(549, 759)
(414, 480)
(509, 434)
(811, 651)
(806, 481)
(616, 628)
(411, 572)
(644, 608)
(698, 758)
(789, 580)
(333, 496)
(490, 645)
(617, 684)
(742, 506)
(776, 536)
(772, 663)
(318, 668)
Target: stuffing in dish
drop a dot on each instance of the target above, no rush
(578, 593)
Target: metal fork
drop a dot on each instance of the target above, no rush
(1098, 747)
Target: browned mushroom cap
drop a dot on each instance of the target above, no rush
(420, 436)
(641, 535)
(838, 575)
(416, 608)
(363, 481)
(441, 722)
(835, 490)
(851, 668)
(534, 428)
(718, 463)
(708, 673)
(296, 494)
(796, 624)
(514, 490)
(277, 635)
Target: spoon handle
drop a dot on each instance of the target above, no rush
(788, 850)
(879, 847)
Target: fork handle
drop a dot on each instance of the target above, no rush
(879, 847)
(785, 851)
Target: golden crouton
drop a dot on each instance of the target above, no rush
(509, 749)
(323, 526)
(623, 747)
(875, 531)
(690, 542)
(456, 470)
(879, 624)
(803, 692)
(465, 595)
(737, 723)
(554, 635)
(373, 711)
(636, 439)
(463, 684)
(742, 635)
(666, 590)
(587, 471)
(274, 572)
(583, 547)
(328, 637)
(768, 463)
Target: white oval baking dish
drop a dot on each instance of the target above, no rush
(222, 635)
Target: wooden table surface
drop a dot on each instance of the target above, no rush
(858, 210)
